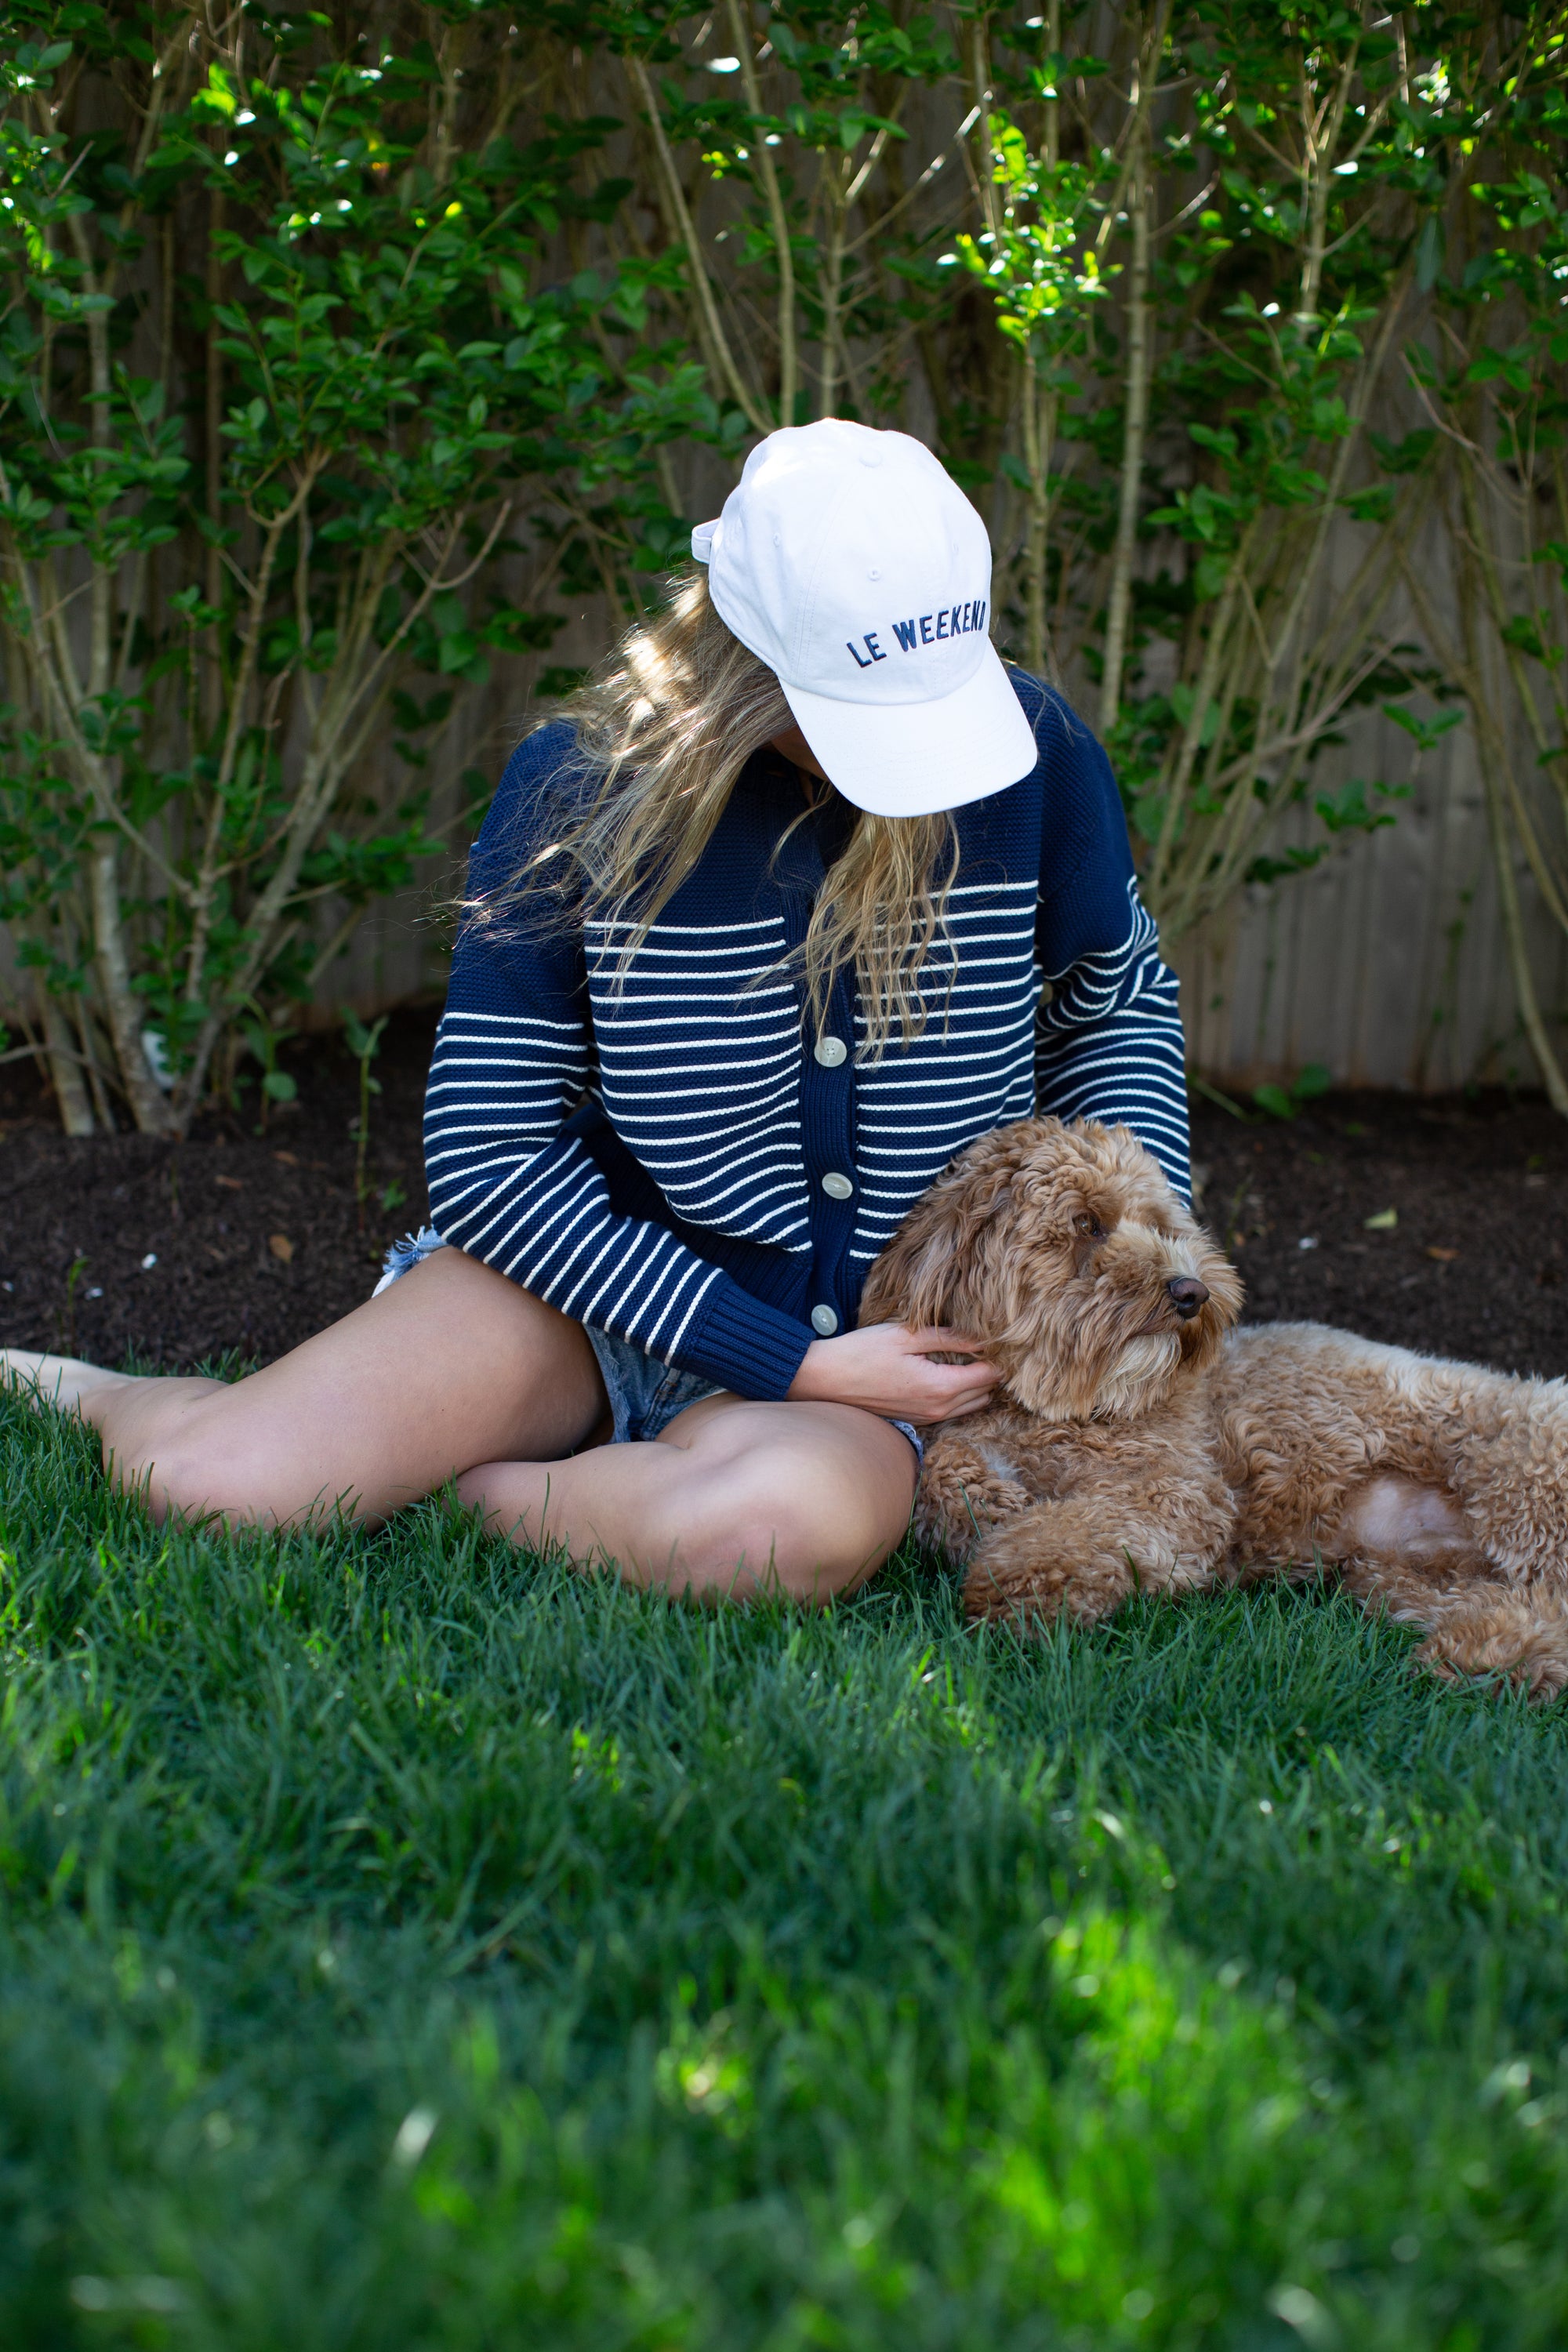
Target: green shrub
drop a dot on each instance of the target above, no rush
(345, 357)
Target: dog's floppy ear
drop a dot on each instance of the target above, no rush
(916, 1280)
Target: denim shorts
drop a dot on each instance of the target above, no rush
(645, 1395)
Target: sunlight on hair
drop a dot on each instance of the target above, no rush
(663, 731)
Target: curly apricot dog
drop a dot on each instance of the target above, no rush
(1147, 1443)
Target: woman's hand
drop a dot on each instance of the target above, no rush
(886, 1368)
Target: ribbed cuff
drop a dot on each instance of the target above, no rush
(746, 1345)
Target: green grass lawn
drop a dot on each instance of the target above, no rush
(406, 1943)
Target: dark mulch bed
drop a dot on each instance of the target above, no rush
(1477, 1264)
(257, 1239)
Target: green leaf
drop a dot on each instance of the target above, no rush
(1183, 702)
(1521, 633)
(1375, 504)
(1209, 576)
(218, 98)
(1274, 1101)
(458, 652)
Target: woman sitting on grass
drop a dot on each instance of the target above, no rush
(803, 894)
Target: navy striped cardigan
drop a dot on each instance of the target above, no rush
(675, 1162)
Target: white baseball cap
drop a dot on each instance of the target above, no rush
(851, 562)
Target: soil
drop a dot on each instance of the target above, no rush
(1473, 1262)
(120, 1248)
(232, 1241)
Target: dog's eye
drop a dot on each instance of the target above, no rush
(1089, 1226)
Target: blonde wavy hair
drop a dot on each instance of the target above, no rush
(663, 731)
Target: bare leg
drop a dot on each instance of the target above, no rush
(454, 1364)
(733, 1498)
(67, 1382)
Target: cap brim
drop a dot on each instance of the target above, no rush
(907, 759)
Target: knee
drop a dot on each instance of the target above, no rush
(767, 1531)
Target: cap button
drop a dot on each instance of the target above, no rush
(870, 456)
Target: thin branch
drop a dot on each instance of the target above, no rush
(720, 359)
(744, 38)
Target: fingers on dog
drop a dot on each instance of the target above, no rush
(957, 1350)
(936, 1410)
(957, 1380)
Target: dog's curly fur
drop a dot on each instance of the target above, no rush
(1147, 1442)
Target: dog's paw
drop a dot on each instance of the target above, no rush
(1032, 1594)
(1028, 1602)
(955, 1515)
(1022, 1571)
(1540, 1668)
(991, 1502)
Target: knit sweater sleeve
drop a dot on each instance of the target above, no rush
(509, 1182)
(1110, 1041)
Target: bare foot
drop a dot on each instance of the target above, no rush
(63, 1382)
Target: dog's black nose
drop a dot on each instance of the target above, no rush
(1187, 1295)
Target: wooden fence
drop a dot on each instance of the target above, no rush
(1386, 962)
